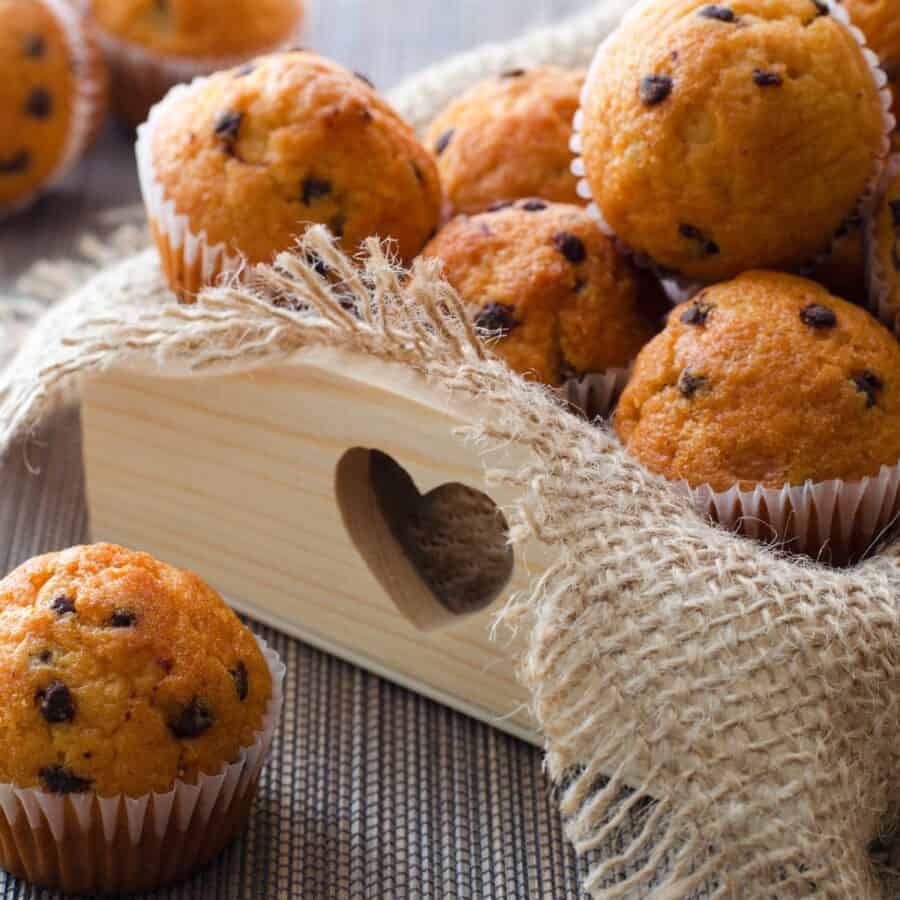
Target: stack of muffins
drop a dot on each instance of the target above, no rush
(734, 156)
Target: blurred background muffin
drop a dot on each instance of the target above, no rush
(152, 45)
(507, 138)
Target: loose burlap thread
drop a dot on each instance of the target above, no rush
(740, 706)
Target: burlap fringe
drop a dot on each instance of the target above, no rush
(753, 696)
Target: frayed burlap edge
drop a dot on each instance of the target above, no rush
(754, 698)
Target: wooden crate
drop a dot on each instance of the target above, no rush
(266, 484)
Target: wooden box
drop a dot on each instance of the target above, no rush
(330, 499)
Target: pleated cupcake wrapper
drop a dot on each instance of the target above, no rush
(88, 102)
(189, 260)
(880, 296)
(83, 843)
(141, 77)
(833, 521)
(595, 395)
(677, 287)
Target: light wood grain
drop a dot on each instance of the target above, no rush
(235, 477)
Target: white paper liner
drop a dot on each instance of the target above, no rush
(185, 806)
(677, 287)
(595, 394)
(881, 301)
(190, 259)
(833, 521)
(88, 102)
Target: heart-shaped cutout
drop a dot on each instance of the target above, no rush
(438, 556)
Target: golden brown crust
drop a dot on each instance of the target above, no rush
(110, 661)
(765, 379)
(879, 21)
(294, 140)
(507, 138)
(37, 93)
(550, 283)
(750, 143)
(200, 29)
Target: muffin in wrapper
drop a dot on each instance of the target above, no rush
(678, 287)
(595, 394)
(86, 844)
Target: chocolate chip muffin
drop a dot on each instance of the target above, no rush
(765, 380)
(879, 21)
(507, 138)
(547, 286)
(152, 45)
(721, 138)
(52, 96)
(251, 156)
(121, 675)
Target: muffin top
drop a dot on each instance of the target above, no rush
(885, 250)
(253, 155)
(200, 28)
(765, 379)
(879, 20)
(507, 138)
(721, 138)
(37, 95)
(548, 285)
(119, 674)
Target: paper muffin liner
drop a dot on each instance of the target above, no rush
(89, 102)
(141, 78)
(837, 521)
(679, 288)
(86, 844)
(595, 394)
(880, 300)
(190, 261)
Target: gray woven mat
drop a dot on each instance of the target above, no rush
(370, 790)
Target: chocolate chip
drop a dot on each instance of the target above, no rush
(512, 73)
(56, 703)
(869, 384)
(44, 657)
(122, 618)
(817, 316)
(497, 319)
(689, 383)
(241, 680)
(60, 780)
(697, 313)
(62, 605)
(766, 79)
(579, 286)
(719, 13)
(227, 127)
(499, 205)
(245, 70)
(534, 206)
(314, 189)
(165, 664)
(571, 246)
(655, 89)
(895, 212)
(337, 225)
(365, 80)
(15, 164)
(34, 45)
(40, 104)
(195, 719)
(692, 233)
(443, 142)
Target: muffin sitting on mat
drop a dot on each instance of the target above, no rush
(121, 677)
(52, 96)
(234, 167)
(508, 138)
(770, 386)
(548, 286)
(152, 45)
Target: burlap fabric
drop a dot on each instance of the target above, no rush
(742, 708)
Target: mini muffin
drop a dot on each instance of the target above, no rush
(548, 285)
(52, 96)
(507, 138)
(765, 380)
(884, 250)
(121, 676)
(152, 45)
(721, 138)
(242, 162)
(879, 20)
